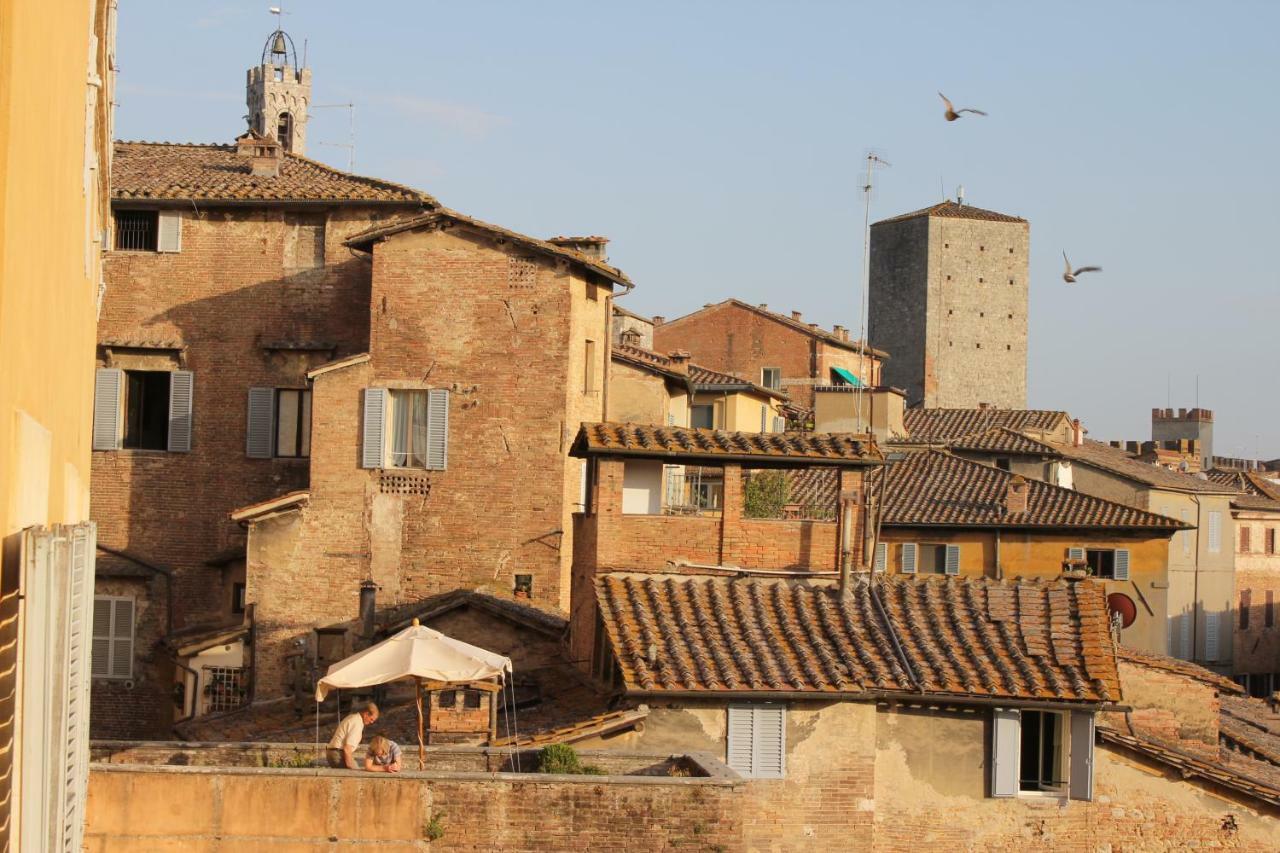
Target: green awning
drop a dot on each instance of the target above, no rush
(840, 376)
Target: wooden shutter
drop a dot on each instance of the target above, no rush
(1006, 743)
(122, 638)
(1211, 636)
(101, 654)
(437, 429)
(169, 231)
(1122, 564)
(181, 388)
(741, 726)
(1075, 554)
(1081, 779)
(107, 403)
(881, 557)
(261, 424)
(908, 558)
(373, 451)
(952, 564)
(770, 735)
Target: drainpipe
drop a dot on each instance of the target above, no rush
(999, 565)
(368, 609)
(1195, 589)
(846, 554)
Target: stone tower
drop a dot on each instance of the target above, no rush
(1196, 424)
(278, 94)
(949, 303)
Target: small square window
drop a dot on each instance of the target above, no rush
(448, 699)
(1011, 250)
(1011, 281)
(982, 313)
(1009, 347)
(946, 245)
(771, 377)
(1102, 563)
(523, 586)
(948, 278)
(981, 279)
(471, 699)
(979, 346)
(982, 248)
(136, 230)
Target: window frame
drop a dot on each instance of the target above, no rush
(302, 427)
(693, 415)
(764, 378)
(128, 420)
(757, 721)
(397, 397)
(112, 638)
(150, 239)
(1061, 748)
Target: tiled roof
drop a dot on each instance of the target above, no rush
(935, 488)
(1227, 772)
(952, 210)
(618, 309)
(1003, 440)
(648, 360)
(819, 333)
(943, 425)
(365, 239)
(939, 636)
(1177, 666)
(145, 171)
(1255, 503)
(1116, 461)
(610, 439)
(548, 621)
(1245, 482)
(707, 379)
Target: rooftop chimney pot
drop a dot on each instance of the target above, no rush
(1015, 499)
(796, 315)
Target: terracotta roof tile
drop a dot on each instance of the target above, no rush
(935, 488)
(1179, 667)
(952, 210)
(1245, 482)
(944, 425)
(1117, 461)
(146, 171)
(937, 636)
(611, 439)
(819, 333)
(706, 379)
(1004, 440)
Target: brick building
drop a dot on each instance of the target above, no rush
(229, 282)
(439, 456)
(780, 352)
(949, 287)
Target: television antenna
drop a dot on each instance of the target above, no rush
(350, 144)
(874, 161)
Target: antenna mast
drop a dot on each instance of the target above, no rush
(350, 144)
(864, 309)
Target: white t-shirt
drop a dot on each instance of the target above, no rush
(349, 732)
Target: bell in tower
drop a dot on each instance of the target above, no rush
(278, 94)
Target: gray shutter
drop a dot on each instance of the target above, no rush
(181, 387)
(881, 558)
(908, 558)
(260, 433)
(1122, 564)
(952, 565)
(1075, 554)
(741, 726)
(1006, 740)
(1211, 636)
(437, 429)
(373, 451)
(101, 655)
(1184, 640)
(769, 741)
(1081, 780)
(107, 403)
(122, 639)
(169, 231)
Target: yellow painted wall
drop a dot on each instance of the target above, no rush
(52, 210)
(740, 412)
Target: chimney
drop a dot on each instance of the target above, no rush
(658, 319)
(263, 153)
(368, 606)
(680, 361)
(593, 247)
(839, 332)
(764, 306)
(796, 315)
(960, 195)
(982, 407)
(815, 327)
(1015, 498)
(1077, 433)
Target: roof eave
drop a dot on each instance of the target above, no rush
(761, 460)
(900, 696)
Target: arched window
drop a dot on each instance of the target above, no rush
(284, 131)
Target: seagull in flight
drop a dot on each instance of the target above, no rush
(952, 113)
(1069, 275)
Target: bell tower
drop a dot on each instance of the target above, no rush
(278, 94)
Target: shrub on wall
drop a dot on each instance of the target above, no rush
(764, 494)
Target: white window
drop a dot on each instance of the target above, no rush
(142, 409)
(1215, 531)
(757, 740)
(405, 429)
(113, 637)
(1039, 752)
(771, 378)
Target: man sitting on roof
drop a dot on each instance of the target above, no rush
(347, 737)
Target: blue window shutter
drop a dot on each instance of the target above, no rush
(181, 394)
(1006, 740)
(261, 424)
(953, 560)
(1081, 780)
(437, 429)
(373, 448)
(882, 556)
(1122, 564)
(908, 558)
(107, 389)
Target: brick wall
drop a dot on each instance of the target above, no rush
(1257, 575)
(141, 705)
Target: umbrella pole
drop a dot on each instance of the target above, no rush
(417, 695)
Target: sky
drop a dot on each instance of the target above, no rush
(721, 147)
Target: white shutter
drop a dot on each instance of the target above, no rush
(1122, 564)
(437, 429)
(741, 728)
(908, 558)
(882, 556)
(108, 390)
(1211, 636)
(101, 655)
(122, 639)
(770, 735)
(952, 565)
(169, 231)
(181, 388)
(1075, 554)
(373, 450)
(1081, 780)
(1006, 741)
(1215, 532)
(779, 424)
(75, 742)
(261, 424)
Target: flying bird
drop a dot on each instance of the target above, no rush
(952, 113)
(1069, 275)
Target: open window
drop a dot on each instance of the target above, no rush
(142, 409)
(148, 230)
(929, 559)
(1038, 752)
(1106, 563)
(406, 428)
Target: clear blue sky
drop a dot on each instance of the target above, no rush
(719, 145)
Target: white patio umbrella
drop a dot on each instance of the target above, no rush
(419, 653)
